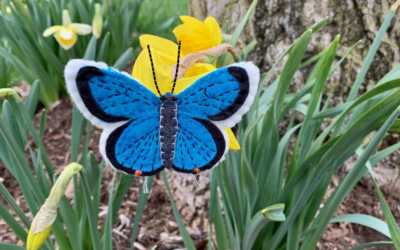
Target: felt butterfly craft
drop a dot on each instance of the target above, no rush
(144, 133)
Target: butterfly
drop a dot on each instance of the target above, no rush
(144, 133)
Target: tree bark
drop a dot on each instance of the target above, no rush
(276, 24)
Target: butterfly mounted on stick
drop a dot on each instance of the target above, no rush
(144, 133)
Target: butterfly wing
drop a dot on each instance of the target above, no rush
(126, 110)
(211, 104)
(106, 96)
(199, 146)
(222, 96)
(134, 146)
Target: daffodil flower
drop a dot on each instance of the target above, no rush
(164, 53)
(97, 23)
(66, 34)
(44, 219)
(196, 35)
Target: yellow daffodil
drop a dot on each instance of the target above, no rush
(196, 35)
(44, 219)
(97, 23)
(164, 54)
(66, 35)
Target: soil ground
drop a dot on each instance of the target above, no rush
(158, 226)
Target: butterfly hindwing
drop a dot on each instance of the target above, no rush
(134, 146)
(199, 144)
(105, 95)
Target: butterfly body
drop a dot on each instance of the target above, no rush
(144, 133)
(168, 129)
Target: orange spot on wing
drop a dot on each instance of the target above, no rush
(138, 173)
(196, 170)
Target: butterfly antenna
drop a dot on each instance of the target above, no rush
(154, 73)
(177, 67)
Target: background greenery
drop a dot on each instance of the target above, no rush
(270, 194)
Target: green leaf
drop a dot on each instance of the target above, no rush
(239, 29)
(225, 60)
(249, 180)
(13, 204)
(71, 222)
(306, 134)
(32, 99)
(7, 246)
(94, 233)
(123, 59)
(107, 236)
(370, 56)
(393, 227)
(125, 182)
(347, 184)
(290, 68)
(365, 220)
(372, 244)
(216, 216)
(181, 225)
(104, 48)
(90, 53)
(143, 198)
(13, 224)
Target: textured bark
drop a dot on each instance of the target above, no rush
(277, 23)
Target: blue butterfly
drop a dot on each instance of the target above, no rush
(144, 133)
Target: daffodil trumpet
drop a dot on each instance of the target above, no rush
(205, 56)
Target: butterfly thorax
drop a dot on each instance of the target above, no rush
(168, 128)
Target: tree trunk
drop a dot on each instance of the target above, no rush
(278, 23)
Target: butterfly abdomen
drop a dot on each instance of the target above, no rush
(168, 130)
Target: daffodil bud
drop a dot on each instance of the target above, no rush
(9, 92)
(97, 24)
(274, 212)
(65, 18)
(44, 219)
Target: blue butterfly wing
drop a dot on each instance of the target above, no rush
(126, 110)
(106, 96)
(199, 144)
(223, 95)
(211, 104)
(135, 146)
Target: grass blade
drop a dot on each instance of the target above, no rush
(372, 244)
(107, 236)
(143, 197)
(365, 220)
(120, 64)
(7, 246)
(187, 240)
(90, 213)
(393, 227)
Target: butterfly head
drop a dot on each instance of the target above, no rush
(168, 96)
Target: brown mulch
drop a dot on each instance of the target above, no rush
(158, 225)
